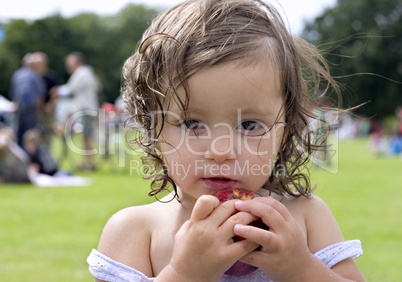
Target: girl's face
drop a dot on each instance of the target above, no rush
(231, 133)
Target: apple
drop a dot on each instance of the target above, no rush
(226, 194)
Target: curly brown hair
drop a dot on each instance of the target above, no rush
(197, 34)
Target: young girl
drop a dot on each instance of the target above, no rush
(221, 92)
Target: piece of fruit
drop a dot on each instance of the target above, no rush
(227, 194)
(239, 268)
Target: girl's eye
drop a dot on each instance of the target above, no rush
(252, 127)
(191, 124)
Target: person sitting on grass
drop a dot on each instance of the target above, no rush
(41, 159)
(14, 161)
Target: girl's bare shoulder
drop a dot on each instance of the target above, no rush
(321, 227)
(305, 205)
(136, 215)
(135, 221)
(126, 237)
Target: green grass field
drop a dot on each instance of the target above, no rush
(46, 234)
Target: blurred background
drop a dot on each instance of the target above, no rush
(47, 233)
(360, 39)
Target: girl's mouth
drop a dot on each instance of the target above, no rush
(219, 182)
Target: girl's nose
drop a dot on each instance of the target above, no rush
(222, 147)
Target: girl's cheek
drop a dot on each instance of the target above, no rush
(260, 148)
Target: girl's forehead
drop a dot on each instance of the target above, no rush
(265, 55)
(248, 86)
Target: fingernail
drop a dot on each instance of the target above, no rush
(239, 204)
(237, 228)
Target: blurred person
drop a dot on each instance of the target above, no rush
(108, 124)
(50, 78)
(41, 160)
(16, 165)
(84, 87)
(395, 143)
(121, 110)
(14, 161)
(378, 143)
(364, 127)
(398, 112)
(6, 106)
(27, 90)
(7, 109)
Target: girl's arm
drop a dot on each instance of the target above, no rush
(323, 231)
(288, 246)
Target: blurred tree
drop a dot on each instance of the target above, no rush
(362, 40)
(106, 43)
(120, 34)
(8, 64)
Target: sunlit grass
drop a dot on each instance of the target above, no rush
(47, 233)
(365, 197)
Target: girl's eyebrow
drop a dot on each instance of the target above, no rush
(258, 110)
(193, 110)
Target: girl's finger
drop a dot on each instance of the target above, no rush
(256, 258)
(223, 212)
(269, 214)
(238, 218)
(283, 211)
(258, 235)
(244, 247)
(204, 206)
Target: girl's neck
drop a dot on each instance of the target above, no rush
(265, 193)
(183, 205)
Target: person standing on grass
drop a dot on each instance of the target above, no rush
(50, 78)
(221, 92)
(27, 90)
(84, 87)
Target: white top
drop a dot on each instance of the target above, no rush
(84, 86)
(104, 268)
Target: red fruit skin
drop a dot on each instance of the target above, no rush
(240, 268)
(227, 194)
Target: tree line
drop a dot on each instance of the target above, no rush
(362, 40)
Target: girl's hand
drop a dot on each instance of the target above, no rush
(284, 254)
(204, 248)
